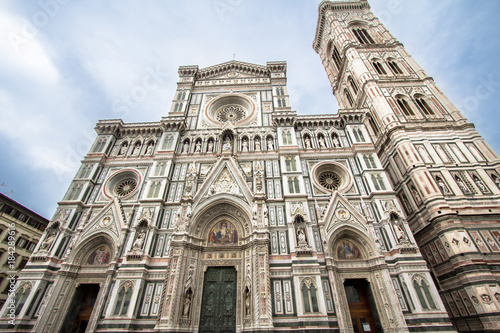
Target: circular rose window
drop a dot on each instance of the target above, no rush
(232, 108)
(122, 184)
(125, 187)
(329, 180)
(231, 113)
(331, 176)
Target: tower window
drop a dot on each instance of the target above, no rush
(423, 106)
(379, 68)
(370, 162)
(358, 134)
(287, 137)
(353, 85)
(363, 36)
(349, 97)
(290, 163)
(405, 107)
(394, 67)
(280, 91)
(336, 57)
(378, 182)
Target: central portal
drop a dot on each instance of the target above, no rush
(218, 306)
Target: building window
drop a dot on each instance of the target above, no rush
(290, 164)
(336, 57)
(23, 263)
(123, 300)
(280, 91)
(154, 190)
(423, 106)
(369, 161)
(100, 145)
(424, 294)
(281, 103)
(363, 36)
(379, 67)
(293, 184)
(160, 169)
(309, 297)
(353, 85)
(395, 67)
(358, 135)
(405, 107)
(348, 95)
(287, 137)
(22, 294)
(74, 192)
(378, 182)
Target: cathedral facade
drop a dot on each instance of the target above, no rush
(234, 213)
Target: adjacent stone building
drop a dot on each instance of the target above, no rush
(24, 228)
(236, 213)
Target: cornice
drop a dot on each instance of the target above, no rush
(119, 128)
(233, 65)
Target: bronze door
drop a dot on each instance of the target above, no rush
(359, 306)
(218, 306)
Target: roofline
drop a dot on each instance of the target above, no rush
(13, 202)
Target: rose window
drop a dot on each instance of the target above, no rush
(329, 180)
(231, 113)
(125, 187)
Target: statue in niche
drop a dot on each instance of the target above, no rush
(442, 185)
(248, 297)
(244, 145)
(187, 303)
(185, 148)
(322, 143)
(70, 247)
(123, 149)
(257, 144)
(139, 241)
(415, 193)
(227, 144)
(400, 233)
(336, 141)
(479, 184)
(137, 148)
(259, 175)
(308, 142)
(301, 238)
(197, 148)
(47, 242)
(210, 147)
(270, 144)
(149, 150)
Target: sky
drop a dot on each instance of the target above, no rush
(65, 64)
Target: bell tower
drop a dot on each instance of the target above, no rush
(444, 173)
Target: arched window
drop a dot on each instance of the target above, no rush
(358, 134)
(290, 163)
(309, 296)
(423, 105)
(154, 190)
(379, 67)
(348, 95)
(287, 137)
(405, 106)
(100, 145)
(337, 59)
(363, 36)
(293, 184)
(378, 182)
(353, 85)
(423, 292)
(123, 300)
(370, 162)
(394, 67)
(22, 294)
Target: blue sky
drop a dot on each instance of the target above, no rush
(65, 64)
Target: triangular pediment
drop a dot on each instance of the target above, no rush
(224, 178)
(232, 70)
(110, 220)
(340, 213)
